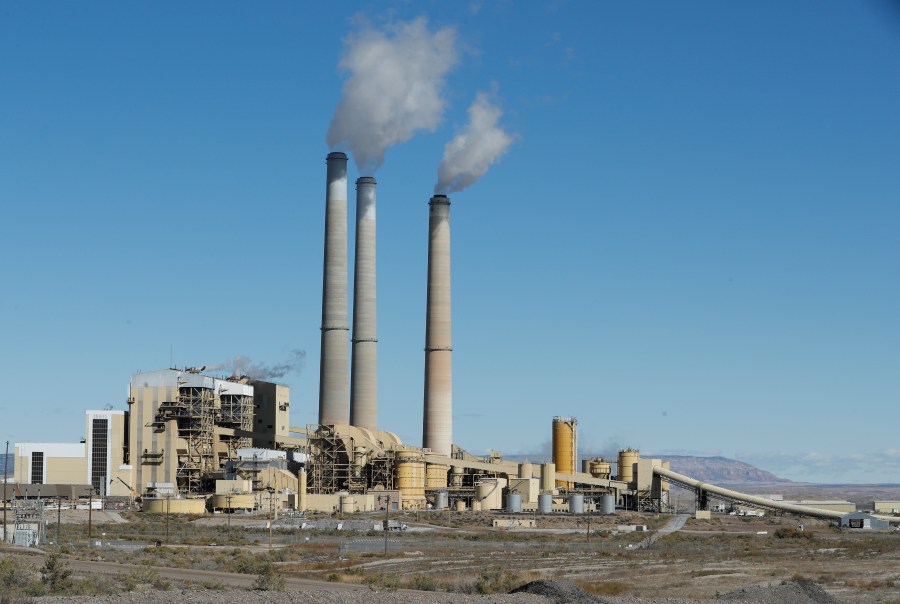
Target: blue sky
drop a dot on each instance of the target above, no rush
(692, 245)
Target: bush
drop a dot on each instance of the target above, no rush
(789, 532)
(497, 581)
(13, 575)
(269, 579)
(55, 574)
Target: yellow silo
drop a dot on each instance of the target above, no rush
(627, 459)
(565, 447)
(410, 468)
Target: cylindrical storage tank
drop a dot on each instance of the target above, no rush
(234, 502)
(436, 476)
(627, 459)
(664, 484)
(460, 505)
(598, 468)
(526, 470)
(489, 492)
(586, 466)
(576, 503)
(172, 505)
(548, 476)
(608, 504)
(545, 503)
(301, 490)
(441, 499)
(348, 504)
(456, 476)
(565, 447)
(410, 467)
(513, 503)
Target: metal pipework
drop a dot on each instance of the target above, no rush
(333, 371)
(437, 424)
(364, 374)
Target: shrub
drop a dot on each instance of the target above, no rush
(269, 579)
(789, 532)
(55, 574)
(13, 575)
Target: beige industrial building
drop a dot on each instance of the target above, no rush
(179, 430)
(100, 460)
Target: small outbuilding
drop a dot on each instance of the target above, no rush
(862, 520)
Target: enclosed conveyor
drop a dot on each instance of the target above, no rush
(754, 499)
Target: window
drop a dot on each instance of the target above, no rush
(99, 441)
(37, 467)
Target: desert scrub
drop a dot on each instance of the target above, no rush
(790, 532)
(268, 578)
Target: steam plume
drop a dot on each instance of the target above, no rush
(471, 152)
(244, 365)
(395, 88)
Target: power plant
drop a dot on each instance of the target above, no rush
(211, 443)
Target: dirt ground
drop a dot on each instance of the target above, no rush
(464, 553)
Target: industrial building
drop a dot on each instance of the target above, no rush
(180, 429)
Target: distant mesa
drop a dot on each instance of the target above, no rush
(719, 470)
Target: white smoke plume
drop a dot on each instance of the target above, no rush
(395, 88)
(471, 152)
(244, 365)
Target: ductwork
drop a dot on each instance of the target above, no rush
(364, 374)
(333, 378)
(437, 424)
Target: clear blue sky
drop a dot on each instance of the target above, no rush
(692, 246)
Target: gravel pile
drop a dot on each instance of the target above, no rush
(793, 592)
(559, 592)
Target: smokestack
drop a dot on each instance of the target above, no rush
(437, 425)
(333, 361)
(364, 375)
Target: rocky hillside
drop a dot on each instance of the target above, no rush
(719, 470)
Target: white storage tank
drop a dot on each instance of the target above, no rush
(576, 503)
(608, 504)
(545, 503)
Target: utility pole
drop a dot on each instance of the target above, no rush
(387, 507)
(168, 496)
(229, 511)
(5, 471)
(58, 518)
(90, 512)
(272, 509)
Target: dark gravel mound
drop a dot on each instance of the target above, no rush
(792, 592)
(561, 592)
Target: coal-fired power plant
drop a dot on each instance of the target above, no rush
(184, 444)
(364, 365)
(333, 371)
(437, 424)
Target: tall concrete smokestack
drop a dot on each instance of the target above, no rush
(437, 426)
(364, 375)
(333, 408)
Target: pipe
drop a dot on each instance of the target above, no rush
(437, 423)
(364, 373)
(755, 500)
(333, 375)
